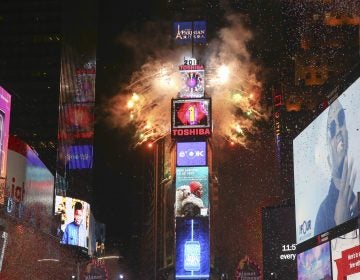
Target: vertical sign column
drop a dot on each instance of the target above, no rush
(190, 127)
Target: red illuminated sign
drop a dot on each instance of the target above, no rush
(191, 117)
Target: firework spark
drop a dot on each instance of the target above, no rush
(230, 81)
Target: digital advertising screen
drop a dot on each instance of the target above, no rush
(279, 242)
(191, 117)
(345, 254)
(29, 186)
(200, 32)
(5, 105)
(75, 221)
(85, 85)
(192, 191)
(79, 157)
(77, 121)
(191, 153)
(326, 159)
(192, 248)
(315, 264)
(193, 83)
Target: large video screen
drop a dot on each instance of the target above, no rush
(192, 191)
(29, 186)
(345, 254)
(192, 248)
(191, 153)
(191, 117)
(279, 242)
(193, 83)
(315, 264)
(75, 221)
(79, 157)
(326, 159)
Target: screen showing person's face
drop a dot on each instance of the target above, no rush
(338, 137)
(78, 216)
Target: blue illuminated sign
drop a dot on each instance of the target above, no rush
(191, 153)
(183, 32)
(192, 248)
(80, 157)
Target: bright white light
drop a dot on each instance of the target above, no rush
(48, 260)
(121, 276)
(223, 74)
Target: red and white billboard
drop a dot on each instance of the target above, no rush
(29, 186)
(5, 104)
(191, 117)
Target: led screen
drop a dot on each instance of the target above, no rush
(191, 153)
(345, 253)
(5, 104)
(192, 248)
(279, 245)
(79, 157)
(200, 32)
(76, 121)
(29, 186)
(75, 220)
(191, 117)
(85, 85)
(192, 191)
(326, 158)
(314, 264)
(192, 85)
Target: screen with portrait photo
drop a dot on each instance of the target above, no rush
(75, 221)
(321, 151)
(192, 191)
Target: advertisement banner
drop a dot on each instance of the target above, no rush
(188, 32)
(76, 121)
(315, 263)
(193, 83)
(75, 221)
(345, 254)
(85, 85)
(326, 157)
(29, 186)
(5, 104)
(191, 117)
(191, 153)
(192, 248)
(192, 191)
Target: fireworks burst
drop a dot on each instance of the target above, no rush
(230, 79)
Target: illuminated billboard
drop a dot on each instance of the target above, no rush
(315, 263)
(279, 245)
(5, 104)
(79, 157)
(191, 153)
(345, 254)
(326, 157)
(85, 85)
(192, 191)
(75, 220)
(29, 186)
(191, 117)
(193, 82)
(192, 248)
(77, 121)
(188, 32)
